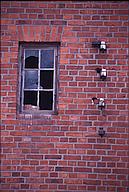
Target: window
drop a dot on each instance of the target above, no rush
(38, 90)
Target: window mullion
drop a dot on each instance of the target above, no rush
(23, 77)
(54, 78)
(38, 79)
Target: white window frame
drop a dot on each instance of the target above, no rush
(39, 47)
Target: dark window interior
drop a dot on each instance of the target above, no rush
(30, 98)
(47, 59)
(31, 79)
(46, 79)
(31, 59)
(45, 100)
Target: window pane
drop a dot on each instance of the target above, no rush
(45, 100)
(31, 58)
(31, 79)
(30, 98)
(46, 79)
(47, 59)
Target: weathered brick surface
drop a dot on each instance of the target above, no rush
(63, 153)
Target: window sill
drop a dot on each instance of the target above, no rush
(45, 115)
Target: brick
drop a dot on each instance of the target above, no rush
(58, 23)
(24, 186)
(15, 10)
(53, 157)
(23, 22)
(72, 157)
(82, 169)
(40, 22)
(52, 11)
(34, 156)
(33, 10)
(64, 169)
(54, 180)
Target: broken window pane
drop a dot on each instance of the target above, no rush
(30, 98)
(46, 79)
(31, 58)
(31, 79)
(47, 59)
(45, 100)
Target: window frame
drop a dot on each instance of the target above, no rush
(22, 69)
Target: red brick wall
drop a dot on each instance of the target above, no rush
(63, 153)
